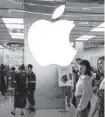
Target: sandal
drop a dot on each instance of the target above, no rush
(22, 113)
(13, 113)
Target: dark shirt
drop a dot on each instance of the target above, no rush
(97, 77)
(13, 74)
(2, 79)
(31, 86)
(20, 81)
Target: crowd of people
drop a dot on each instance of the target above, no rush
(23, 82)
(87, 82)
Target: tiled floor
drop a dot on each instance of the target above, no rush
(7, 105)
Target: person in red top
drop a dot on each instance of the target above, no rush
(31, 88)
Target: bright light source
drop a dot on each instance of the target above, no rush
(84, 23)
(49, 41)
(72, 44)
(100, 28)
(13, 20)
(17, 37)
(102, 25)
(48, 45)
(1, 46)
(84, 38)
(15, 26)
(17, 34)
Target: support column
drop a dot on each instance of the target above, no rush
(79, 47)
(1, 56)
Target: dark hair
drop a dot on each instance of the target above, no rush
(88, 67)
(30, 66)
(98, 72)
(22, 67)
(13, 68)
(2, 67)
(78, 59)
(102, 57)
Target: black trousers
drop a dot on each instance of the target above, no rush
(31, 98)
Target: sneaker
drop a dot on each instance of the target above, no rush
(13, 113)
(29, 108)
(22, 113)
(32, 110)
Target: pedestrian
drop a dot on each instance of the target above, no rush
(31, 88)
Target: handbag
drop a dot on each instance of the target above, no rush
(74, 101)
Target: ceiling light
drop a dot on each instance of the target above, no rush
(100, 28)
(17, 34)
(17, 37)
(102, 25)
(15, 26)
(1, 46)
(13, 20)
(84, 23)
(84, 38)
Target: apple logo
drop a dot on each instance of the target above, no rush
(49, 41)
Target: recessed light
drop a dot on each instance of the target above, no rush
(17, 37)
(15, 26)
(13, 20)
(17, 34)
(102, 25)
(84, 38)
(100, 28)
(1, 46)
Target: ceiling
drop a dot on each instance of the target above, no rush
(87, 16)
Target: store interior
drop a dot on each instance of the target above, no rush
(87, 37)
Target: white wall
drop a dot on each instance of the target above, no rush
(46, 83)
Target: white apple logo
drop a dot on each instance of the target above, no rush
(49, 41)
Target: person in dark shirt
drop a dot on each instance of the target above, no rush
(20, 91)
(13, 75)
(3, 81)
(31, 88)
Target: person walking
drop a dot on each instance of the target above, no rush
(13, 75)
(20, 91)
(31, 88)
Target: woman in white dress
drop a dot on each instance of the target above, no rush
(84, 89)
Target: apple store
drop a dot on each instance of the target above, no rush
(53, 45)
